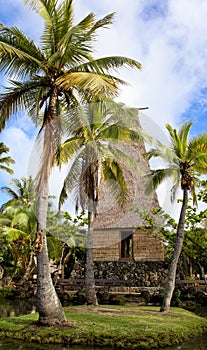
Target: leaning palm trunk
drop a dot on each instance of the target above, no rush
(48, 304)
(89, 274)
(177, 251)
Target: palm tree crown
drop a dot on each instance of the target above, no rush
(5, 161)
(95, 148)
(62, 62)
(185, 158)
(60, 72)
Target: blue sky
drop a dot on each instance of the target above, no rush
(169, 38)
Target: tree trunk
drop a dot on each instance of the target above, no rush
(203, 276)
(91, 298)
(48, 304)
(29, 269)
(170, 286)
(65, 261)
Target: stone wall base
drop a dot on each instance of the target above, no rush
(140, 274)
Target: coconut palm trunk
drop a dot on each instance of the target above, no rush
(48, 304)
(177, 251)
(89, 275)
(91, 188)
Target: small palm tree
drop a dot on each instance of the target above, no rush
(21, 192)
(97, 154)
(21, 225)
(185, 159)
(5, 161)
(57, 74)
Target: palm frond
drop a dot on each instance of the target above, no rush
(10, 192)
(197, 153)
(153, 153)
(44, 8)
(122, 156)
(104, 64)
(66, 151)
(4, 221)
(19, 56)
(54, 248)
(75, 44)
(21, 221)
(8, 205)
(114, 178)
(20, 96)
(3, 148)
(7, 169)
(156, 177)
(96, 84)
(6, 160)
(183, 135)
(103, 22)
(14, 234)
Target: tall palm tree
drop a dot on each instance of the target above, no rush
(95, 148)
(5, 161)
(58, 73)
(186, 158)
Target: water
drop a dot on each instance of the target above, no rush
(199, 343)
(195, 344)
(12, 308)
(16, 345)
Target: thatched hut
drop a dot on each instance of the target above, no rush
(121, 234)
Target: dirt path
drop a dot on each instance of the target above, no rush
(112, 311)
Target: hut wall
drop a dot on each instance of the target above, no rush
(146, 247)
(106, 245)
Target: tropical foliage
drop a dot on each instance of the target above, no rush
(65, 236)
(18, 225)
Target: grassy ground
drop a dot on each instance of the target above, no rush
(115, 327)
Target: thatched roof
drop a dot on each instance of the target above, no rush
(110, 214)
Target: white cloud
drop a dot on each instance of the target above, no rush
(20, 146)
(168, 38)
(171, 45)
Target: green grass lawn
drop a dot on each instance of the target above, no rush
(117, 327)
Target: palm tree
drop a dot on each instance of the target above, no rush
(21, 192)
(96, 149)
(5, 161)
(185, 159)
(58, 73)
